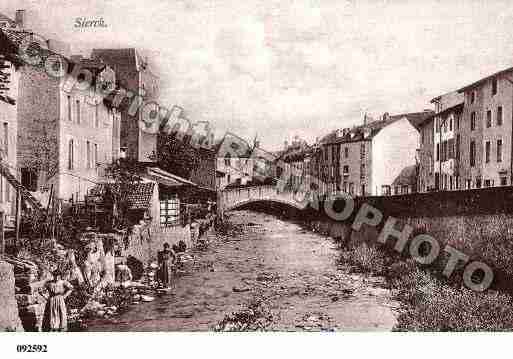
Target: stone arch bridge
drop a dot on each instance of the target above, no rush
(233, 198)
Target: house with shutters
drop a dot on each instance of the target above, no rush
(65, 127)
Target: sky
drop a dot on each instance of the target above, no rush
(277, 69)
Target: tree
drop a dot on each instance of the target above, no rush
(40, 149)
(124, 174)
(175, 155)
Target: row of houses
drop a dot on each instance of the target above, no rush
(467, 144)
(378, 157)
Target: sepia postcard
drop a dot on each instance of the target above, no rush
(311, 166)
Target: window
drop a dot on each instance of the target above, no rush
(385, 190)
(472, 121)
(494, 86)
(472, 153)
(438, 152)
(499, 150)
(346, 152)
(469, 184)
(478, 182)
(96, 117)
(487, 151)
(70, 155)
(363, 190)
(29, 179)
(487, 183)
(472, 97)
(351, 188)
(437, 124)
(95, 156)
(70, 118)
(488, 119)
(346, 169)
(450, 124)
(78, 111)
(6, 139)
(504, 180)
(458, 139)
(227, 159)
(170, 212)
(88, 154)
(499, 116)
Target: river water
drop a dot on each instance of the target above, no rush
(294, 270)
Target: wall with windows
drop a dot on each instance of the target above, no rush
(497, 130)
(471, 130)
(355, 168)
(486, 141)
(86, 142)
(8, 137)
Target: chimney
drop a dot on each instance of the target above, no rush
(285, 145)
(19, 18)
(365, 119)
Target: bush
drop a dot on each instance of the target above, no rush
(431, 305)
(364, 258)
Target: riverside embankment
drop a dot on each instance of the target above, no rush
(293, 273)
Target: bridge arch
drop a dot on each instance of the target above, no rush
(234, 198)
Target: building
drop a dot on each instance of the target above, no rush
(486, 131)
(440, 145)
(64, 134)
(9, 82)
(366, 160)
(133, 74)
(294, 165)
(10, 24)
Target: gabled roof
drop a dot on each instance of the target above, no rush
(6, 18)
(139, 194)
(368, 131)
(484, 79)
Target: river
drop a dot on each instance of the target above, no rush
(294, 270)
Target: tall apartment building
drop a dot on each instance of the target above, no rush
(369, 159)
(133, 74)
(64, 134)
(486, 153)
(439, 154)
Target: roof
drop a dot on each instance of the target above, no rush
(139, 196)
(484, 79)
(371, 129)
(295, 153)
(407, 176)
(167, 178)
(6, 18)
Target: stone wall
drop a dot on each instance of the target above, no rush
(145, 242)
(9, 319)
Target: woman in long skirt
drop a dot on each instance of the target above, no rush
(55, 318)
(166, 259)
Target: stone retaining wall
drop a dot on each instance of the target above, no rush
(9, 319)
